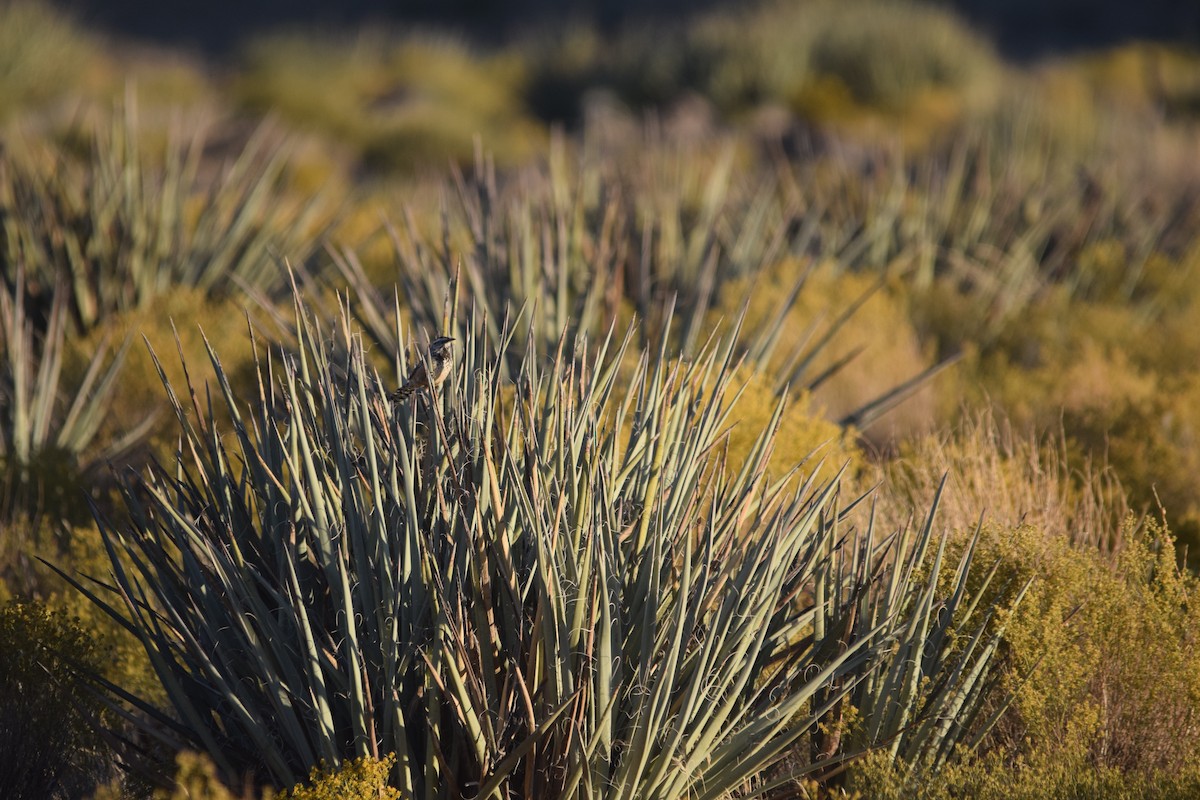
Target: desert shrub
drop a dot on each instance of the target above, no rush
(1107, 392)
(1146, 685)
(1103, 651)
(97, 646)
(48, 732)
(195, 778)
(994, 779)
(173, 324)
(824, 59)
(649, 65)
(846, 337)
(164, 81)
(880, 69)
(1135, 418)
(399, 101)
(308, 79)
(806, 435)
(887, 53)
(1016, 478)
(1144, 74)
(1150, 442)
(80, 552)
(362, 778)
(1102, 648)
(43, 55)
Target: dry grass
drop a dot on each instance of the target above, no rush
(1011, 479)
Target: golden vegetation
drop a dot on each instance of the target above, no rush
(866, 185)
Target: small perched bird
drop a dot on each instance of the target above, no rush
(429, 372)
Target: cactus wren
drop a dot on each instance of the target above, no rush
(428, 373)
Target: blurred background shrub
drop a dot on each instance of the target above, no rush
(44, 57)
(400, 101)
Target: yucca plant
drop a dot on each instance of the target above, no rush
(120, 226)
(944, 637)
(578, 241)
(575, 244)
(425, 582)
(49, 436)
(551, 587)
(54, 443)
(998, 217)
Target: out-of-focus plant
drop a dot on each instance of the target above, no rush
(49, 445)
(1018, 478)
(573, 245)
(43, 55)
(400, 101)
(647, 65)
(120, 226)
(887, 53)
(576, 248)
(196, 778)
(820, 59)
